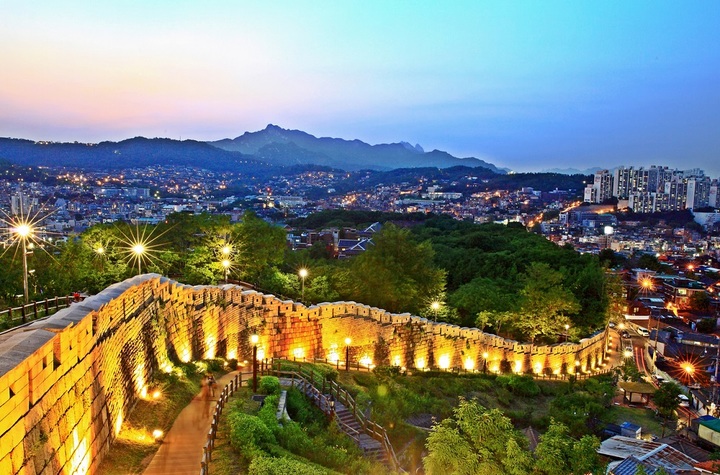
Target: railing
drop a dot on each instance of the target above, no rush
(227, 391)
(373, 429)
(15, 316)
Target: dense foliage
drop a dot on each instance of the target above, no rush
(306, 444)
(477, 440)
(500, 278)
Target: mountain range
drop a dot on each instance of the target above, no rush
(279, 146)
(264, 151)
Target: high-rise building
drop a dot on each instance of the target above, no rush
(601, 189)
(643, 202)
(636, 180)
(22, 204)
(713, 194)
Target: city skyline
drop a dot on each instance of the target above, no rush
(525, 86)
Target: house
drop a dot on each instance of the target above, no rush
(629, 453)
(709, 430)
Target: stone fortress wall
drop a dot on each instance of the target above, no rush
(68, 381)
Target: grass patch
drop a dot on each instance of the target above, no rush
(131, 451)
(644, 417)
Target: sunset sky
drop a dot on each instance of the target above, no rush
(525, 85)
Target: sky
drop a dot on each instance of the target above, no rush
(525, 85)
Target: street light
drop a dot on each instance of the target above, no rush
(23, 230)
(254, 340)
(302, 273)
(226, 266)
(567, 327)
(435, 307)
(138, 249)
(348, 340)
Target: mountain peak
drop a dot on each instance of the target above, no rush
(281, 146)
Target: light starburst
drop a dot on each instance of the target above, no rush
(141, 247)
(24, 233)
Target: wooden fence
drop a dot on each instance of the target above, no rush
(14, 316)
(227, 391)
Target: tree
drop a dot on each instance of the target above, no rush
(700, 302)
(476, 440)
(545, 302)
(558, 453)
(648, 261)
(666, 401)
(261, 247)
(396, 273)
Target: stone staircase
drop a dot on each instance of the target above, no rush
(349, 424)
(345, 418)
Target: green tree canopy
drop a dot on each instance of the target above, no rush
(545, 303)
(396, 273)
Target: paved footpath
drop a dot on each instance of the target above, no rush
(181, 451)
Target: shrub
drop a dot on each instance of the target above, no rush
(268, 412)
(331, 374)
(503, 396)
(269, 385)
(302, 411)
(283, 466)
(293, 438)
(523, 386)
(248, 432)
(387, 371)
(505, 366)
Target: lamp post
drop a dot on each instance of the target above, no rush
(302, 273)
(138, 249)
(689, 371)
(254, 340)
(24, 231)
(226, 266)
(567, 327)
(100, 251)
(348, 340)
(435, 307)
(485, 357)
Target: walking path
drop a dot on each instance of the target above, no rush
(182, 448)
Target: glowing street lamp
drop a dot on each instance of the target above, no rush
(226, 265)
(24, 231)
(567, 327)
(348, 340)
(435, 307)
(689, 369)
(139, 250)
(254, 340)
(302, 273)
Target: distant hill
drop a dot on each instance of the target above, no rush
(262, 153)
(280, 146)
(573, 171)
(136, 152)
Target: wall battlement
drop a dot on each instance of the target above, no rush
(68, 381)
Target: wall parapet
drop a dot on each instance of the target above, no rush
(68, 381)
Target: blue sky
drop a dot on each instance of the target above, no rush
(525, 85)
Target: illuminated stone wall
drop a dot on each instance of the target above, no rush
(67, 382)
